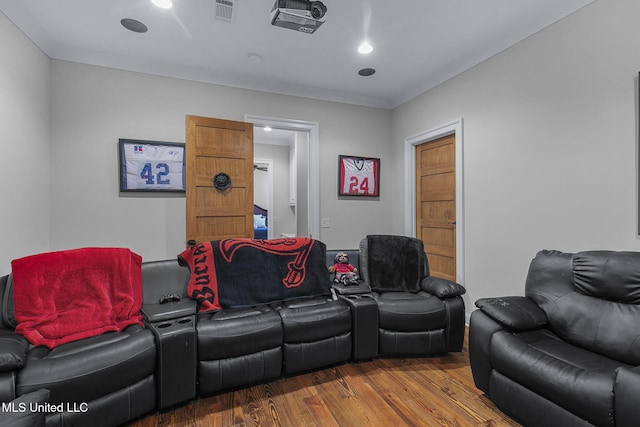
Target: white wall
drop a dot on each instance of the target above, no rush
(91, 107)
(549, 145)
(24, 142)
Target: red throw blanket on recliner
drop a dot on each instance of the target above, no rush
(65, 296)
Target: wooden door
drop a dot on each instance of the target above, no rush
(436, 204)
(213, 147)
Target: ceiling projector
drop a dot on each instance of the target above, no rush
(301, 15)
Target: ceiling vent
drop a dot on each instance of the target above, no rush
(225, 10)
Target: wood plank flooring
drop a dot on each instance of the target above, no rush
(436, 391)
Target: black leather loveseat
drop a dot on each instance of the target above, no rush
(568, 352)
(183, 353)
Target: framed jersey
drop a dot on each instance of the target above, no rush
(358, 176)
(151, 166)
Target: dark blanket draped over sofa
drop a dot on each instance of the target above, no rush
(244, 272)
(396, 263)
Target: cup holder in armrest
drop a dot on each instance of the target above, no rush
(357, 296)
(182, 321)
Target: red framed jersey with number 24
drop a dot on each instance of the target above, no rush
(358, 176)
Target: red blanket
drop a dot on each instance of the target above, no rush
(65, 296)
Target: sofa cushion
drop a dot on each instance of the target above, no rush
(576, 379)
(410, 312)
(312, 319)
(86, 369)
(232, 332)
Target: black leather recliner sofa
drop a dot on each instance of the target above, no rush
(182, 353)
(568, 352)
(102, 380)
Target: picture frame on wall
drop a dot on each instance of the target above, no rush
(151, 166)
(358, 176)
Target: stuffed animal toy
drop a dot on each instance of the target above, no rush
(345, 273)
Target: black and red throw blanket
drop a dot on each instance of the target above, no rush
(244, 272)
(65, 296)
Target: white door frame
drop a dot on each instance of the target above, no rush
(313, 161)
(269, 163)
(454, 127)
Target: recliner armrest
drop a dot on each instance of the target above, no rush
(514, 312)
(361, 288)
(13, 350)
(442, 288)
(626, 390)
(170, 310)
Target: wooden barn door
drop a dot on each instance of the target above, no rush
(216, 147)
(436, 204)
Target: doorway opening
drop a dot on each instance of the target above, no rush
(263, 223)
(306, 171)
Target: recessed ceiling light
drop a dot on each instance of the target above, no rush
(365, 48)
(268, 129)
(366, 72)
(134, 25)
(163, 4)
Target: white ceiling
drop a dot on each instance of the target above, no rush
(418, 43)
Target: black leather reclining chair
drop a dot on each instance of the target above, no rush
(105, 380)
(418, 314)
(568, 352)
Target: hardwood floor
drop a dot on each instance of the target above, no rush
(435, 391)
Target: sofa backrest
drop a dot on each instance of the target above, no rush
(7, 320)
(163, 278)
(591, 299)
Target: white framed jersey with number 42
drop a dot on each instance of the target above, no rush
(151, 166)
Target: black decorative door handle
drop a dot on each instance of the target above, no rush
(221, 181)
